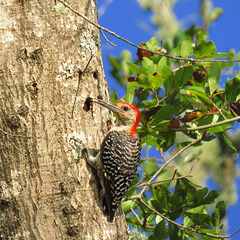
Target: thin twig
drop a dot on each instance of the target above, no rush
(219, 110)
(161, 153)
(166, 180)
(182, 66)
(205, 126)
(174, 178)
(163, 98)
(136, 185)
(114, 45)
(233, 233)
(170, 160)
(144, 215)
(156, 96)
(137, 46)
(175, 172)
(139, 220)
(190, 172)
(161, 215)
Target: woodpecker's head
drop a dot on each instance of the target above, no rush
(128, 115)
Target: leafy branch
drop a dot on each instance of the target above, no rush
(207, 126)
(186, 228)
(137, 46)
(168, 161)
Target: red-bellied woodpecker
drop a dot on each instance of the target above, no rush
(119, 155)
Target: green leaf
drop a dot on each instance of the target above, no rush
(190, 187)
(187, 220)
(214, 76)
(130, 93)
(201, 96)
(218, 214)
(201, 35)
(161, 126)
(200, 219)
(126, 55)
(166, 112)
(183, 144)
(196, 94)
(182, 76)
(212, 195)
(151, 140)
(232, 89)
(133, 68)
(150, 167)
(127, 205)
(215, 14)
(186, 48)
(162, 63)
(115, 62)
(174, 232)
(201, 193)
(152, 44)
(200, 209)
(148, 67)
(169, 140)
(156, 205)
(156, 80)
(205, 49)
(216, 129)
(176, 51)
(163, 196)
(227, 141)
(143, 81)
(203, 197)
(206, 119)
(169, 80)
(160, 231)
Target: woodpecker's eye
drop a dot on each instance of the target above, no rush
(125, 108)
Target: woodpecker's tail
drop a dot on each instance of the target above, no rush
(110, 212)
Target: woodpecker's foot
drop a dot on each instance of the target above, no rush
(81, 150)
(78, 148)
(95, 159)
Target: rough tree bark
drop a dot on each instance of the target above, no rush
(47, 191)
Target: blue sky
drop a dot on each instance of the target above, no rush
(125, 18)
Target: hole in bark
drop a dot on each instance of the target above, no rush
(4, 204)
(72, 230)
(88, 105)
(95, 74)
(34, 84)
(109, 125)
(14, 121)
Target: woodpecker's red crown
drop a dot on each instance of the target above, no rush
(129, 116)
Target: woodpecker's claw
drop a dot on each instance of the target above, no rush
(75, 143)
(78, 148)
(92, 156)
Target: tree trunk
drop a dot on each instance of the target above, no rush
(47, 190)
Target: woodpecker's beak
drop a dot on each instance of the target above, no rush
(108, 105)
